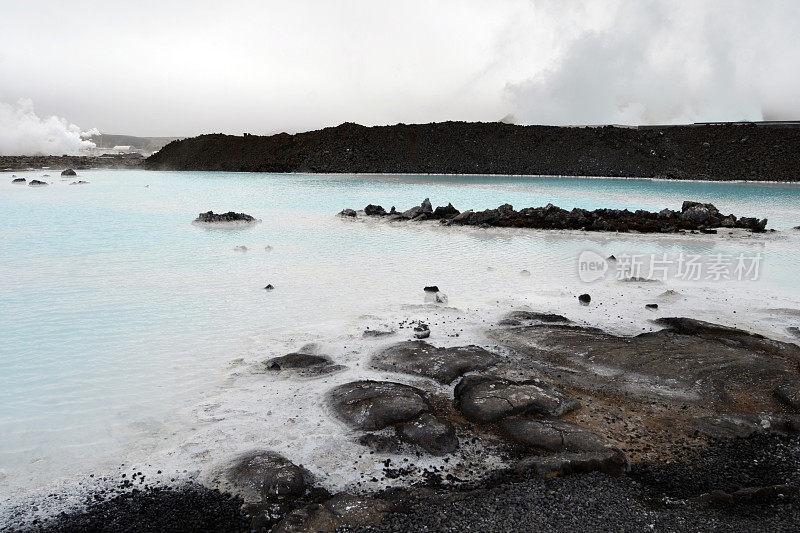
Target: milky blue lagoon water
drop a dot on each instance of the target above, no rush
(127, 334)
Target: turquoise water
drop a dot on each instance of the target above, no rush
(116, 313)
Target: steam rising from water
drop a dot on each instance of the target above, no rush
(23, 132)
(664, 62)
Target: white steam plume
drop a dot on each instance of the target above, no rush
(22, 132)
(662, 62)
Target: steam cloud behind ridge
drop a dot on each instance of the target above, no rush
(22, 132)
(189, 67)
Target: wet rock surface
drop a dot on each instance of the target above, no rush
(18, 180)
(341, 510)
(487, 399)
(69, 172)
(37, 183)
(370, 405)
(261, 476)
(210, 217)
(444, 365)
(434, 435)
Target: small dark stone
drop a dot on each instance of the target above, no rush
(651, 306)
(431, 288)
(69, 172)
(269, 287)
(347, 213)
(18, 180)
(584, 299)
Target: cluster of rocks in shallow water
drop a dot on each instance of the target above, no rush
(693, 216)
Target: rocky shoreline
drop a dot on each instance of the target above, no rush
(697, 152)
(37, 162)
(693, 216)
(695, 426)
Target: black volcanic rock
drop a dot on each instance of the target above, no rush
(665, 152)
(375, 210)
(370, 405)
(69, 172)
(694, 216)
(211, 218)
(441, 364)
(18, 180)
(37, 183)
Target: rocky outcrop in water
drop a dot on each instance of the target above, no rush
(213, 218)
(693, 216)
(69, 172)
(670, 152)
(37, 183)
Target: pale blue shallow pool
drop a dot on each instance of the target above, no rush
(115, 311)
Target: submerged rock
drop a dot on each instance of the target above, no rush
(210, 217)
(375, 333)
(487, 399)
(444, 365)
(519, 318)
(69, 172)
(79, 182)
(347, 213)
(18, 180)
(371, 405)
(37, 183)
(303, 364)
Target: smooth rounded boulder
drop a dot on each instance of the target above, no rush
(370, 405)
(263, 475)
(444, 365)
(486, 399)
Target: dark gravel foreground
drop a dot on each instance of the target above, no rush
(653, 497)
(719, 152)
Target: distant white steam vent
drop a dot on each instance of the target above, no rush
(22, 132)
(124, 149)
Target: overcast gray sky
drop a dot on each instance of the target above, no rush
(187, 67)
